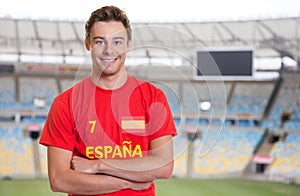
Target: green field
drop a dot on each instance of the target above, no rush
(173, 187)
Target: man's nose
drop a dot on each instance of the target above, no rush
(108, 49)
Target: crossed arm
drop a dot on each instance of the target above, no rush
(85, 176)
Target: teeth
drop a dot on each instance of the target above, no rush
(108, 60)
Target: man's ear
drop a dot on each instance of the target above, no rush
(87, 44)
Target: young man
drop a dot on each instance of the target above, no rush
(110, 133)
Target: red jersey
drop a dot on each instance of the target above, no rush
(109, 124)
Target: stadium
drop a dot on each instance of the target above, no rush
(237, 121)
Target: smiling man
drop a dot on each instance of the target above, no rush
(109, 134)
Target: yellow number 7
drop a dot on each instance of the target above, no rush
(93, 123)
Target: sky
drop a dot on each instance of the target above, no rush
(153, 10)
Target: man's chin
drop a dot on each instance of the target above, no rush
(108, 72)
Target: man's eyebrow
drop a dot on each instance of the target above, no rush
(118, 37)
(98, 37)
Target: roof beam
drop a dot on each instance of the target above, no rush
(59, 39)
(38, 38)
(197, 39)
(157, 40)
(78, 38)
(278, 43)
(17, 39)
(234, 37)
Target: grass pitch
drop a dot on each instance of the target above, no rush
(172, 187)
(224, 187)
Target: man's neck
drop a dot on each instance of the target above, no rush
(109, 82)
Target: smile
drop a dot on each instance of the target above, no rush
(108, 61)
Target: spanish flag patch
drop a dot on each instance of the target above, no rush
(135, 123)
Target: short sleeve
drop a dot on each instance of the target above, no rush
(58, 130)
(161, 122)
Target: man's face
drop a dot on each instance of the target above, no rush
(108, 45)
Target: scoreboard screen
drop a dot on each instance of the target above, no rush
(226, 63)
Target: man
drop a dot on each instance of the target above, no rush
(110, 133)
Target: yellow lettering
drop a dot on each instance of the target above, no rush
(127, 150)
(98, 152)
(107, 150)
(93, 123)
(89, 152)
(137, 151)
(117, 152)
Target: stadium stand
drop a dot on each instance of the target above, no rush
(216, 92)
(250, 98)
(65, 84)
(288, 97)
(271, 124)
(292, 125)
(242, 125)
(16, 153)
(215, 152)
(244, 120)
(171, 90)
(180, 154)
(287, 158)
(7, 92)
(36, 87)
(43, 160)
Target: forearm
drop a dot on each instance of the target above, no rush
(74, 182)
(143, 169)
(65, 179)
(157, 165)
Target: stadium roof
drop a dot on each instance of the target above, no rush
(270, 37)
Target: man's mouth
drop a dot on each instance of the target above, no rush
(109, 61)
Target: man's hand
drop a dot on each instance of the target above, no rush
(138, 186)
(84, 165)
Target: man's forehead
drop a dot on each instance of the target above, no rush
(110, 30)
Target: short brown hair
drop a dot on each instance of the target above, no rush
(107, 14)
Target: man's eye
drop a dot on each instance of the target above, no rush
(118, 42)
(101, 42)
